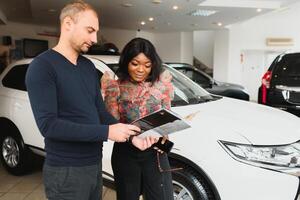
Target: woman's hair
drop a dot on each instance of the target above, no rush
(134, 48)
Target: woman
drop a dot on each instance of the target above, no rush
(142, 88)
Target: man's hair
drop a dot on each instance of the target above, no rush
(72, 9)
(134, 48)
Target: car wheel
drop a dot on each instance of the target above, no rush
(15, 156)
(189, 186)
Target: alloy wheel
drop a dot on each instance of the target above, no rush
(10, 152)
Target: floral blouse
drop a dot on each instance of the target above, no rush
(128, 101)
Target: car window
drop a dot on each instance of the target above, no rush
(289, 66)
(195, 76)
(186, 91)
(287, 71)
(15, 78)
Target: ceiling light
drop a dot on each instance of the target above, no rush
(201, 12)
(51, 10)
(258, 10)
(127, 5)
(219, 24)
(151, 19)
(175, 7)
(143, 23)
(156, 1)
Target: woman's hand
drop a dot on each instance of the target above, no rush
(164, 139)
(143, 143)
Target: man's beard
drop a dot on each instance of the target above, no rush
(83, 49)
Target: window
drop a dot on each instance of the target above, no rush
(15, 78)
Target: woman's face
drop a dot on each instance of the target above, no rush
(139, 68)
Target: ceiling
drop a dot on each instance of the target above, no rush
(128, 14)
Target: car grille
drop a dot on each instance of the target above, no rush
(294, 97)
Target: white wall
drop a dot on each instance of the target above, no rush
(251, 36)
(175, 46)
(221, 53)
(186, 43)
(204, 47)
(117, 36)
(172, 47)
(19, 31)
(147, 35)
(168, 46)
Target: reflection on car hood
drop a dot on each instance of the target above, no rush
(229, 85)
(240, 121)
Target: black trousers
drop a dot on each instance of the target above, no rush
(136, 172)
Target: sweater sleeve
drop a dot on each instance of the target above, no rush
(42, 91)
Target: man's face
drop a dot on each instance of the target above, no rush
(84, 31)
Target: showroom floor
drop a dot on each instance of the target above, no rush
(30, 187)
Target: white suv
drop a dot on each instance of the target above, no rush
(234, 149)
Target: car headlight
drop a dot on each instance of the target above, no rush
(283, 158)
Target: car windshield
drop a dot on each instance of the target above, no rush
(185, 90)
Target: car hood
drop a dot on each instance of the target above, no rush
(229, 85)
(239, 121)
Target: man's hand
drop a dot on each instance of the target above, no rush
(144, 143)
(121, 132)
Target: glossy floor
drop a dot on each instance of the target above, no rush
(30, 187)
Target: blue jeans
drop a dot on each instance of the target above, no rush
(73, 183)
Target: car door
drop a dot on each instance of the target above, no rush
(20, 106)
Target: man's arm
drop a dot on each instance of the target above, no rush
(41, 86)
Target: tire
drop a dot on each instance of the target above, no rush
(15, 155)
(190, 186)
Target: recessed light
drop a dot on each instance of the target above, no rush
(156, 1)
(51, 10)
(258, 10)
(127, 5)
(219, 24)
(151, 19)
(143, 23)
(201, 12)
(175, 7)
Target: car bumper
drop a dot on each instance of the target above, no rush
(235, 180)
(262, 185)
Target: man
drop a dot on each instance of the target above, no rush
(66, 101)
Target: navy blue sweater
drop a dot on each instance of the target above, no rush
(68, 108)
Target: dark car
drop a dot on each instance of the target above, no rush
(211, 85)
(280, 86)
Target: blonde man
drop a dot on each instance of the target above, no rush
(66, 101)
